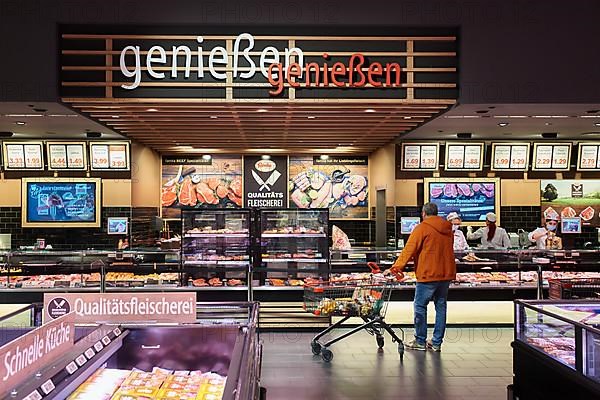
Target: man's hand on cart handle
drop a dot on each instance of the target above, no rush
(395, 273)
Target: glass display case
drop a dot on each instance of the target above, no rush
(216, 246)
(557, 343)
(294, 246)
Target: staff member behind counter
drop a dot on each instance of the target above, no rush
(491, 236)
(545, 237)
(460, 243)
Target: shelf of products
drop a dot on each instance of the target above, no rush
(557, 349)
(294, 245)
(216, 247)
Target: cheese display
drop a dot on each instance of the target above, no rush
(160, 384)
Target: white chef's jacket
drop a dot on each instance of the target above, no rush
(499, 241)
(540, 243)
(460, 243)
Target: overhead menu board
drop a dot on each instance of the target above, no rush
(589, 157)
(23, 156)
(464, 156)
(551, 156)
(109, 156)
(66, 155)
(510, 156)
(420, 156)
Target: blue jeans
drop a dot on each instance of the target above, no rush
(424, 293)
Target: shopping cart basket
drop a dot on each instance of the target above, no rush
(366, 299)
(574, 288)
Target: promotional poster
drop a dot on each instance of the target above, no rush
(201, 183)
(266, 181)
(338, 183)
(571, 198)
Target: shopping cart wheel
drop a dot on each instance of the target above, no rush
(327, 355)
(316, 347)
(401, 350)
(380, 341)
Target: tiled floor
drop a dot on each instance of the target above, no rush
(475, 364)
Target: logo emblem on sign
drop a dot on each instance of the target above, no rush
(58, 307)
(265, 166)
(577, 190)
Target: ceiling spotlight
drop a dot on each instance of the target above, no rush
(464, 135)
(93, 134)
(21, 123)
(311, 117)
(151, 109)
(548, 123)
(42, 110)
(115, 116)
(265, 157)
(407, 117)
(213, 117)
(503, 124)
(324, 157)
(5, 134)
(262, 110)
(482, 111)
(369, 110)
(206, 156)
(597, 123)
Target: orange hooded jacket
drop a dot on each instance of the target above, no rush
(430, 245)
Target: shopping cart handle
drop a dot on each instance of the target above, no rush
(374, 267)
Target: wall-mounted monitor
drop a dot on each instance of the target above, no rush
(118, 226)
(570, 225)
(408, 224)
(471, 198)
(61, 202)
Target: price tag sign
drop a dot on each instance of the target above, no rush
(510, 156)
(543, 157)
(552, 156)
(519, 157)
(501, 157)
(473, 157)
(429, 157)
(33, 156)
(57, 153)
(412, 157)
(14, 156)
(455, 157)
(100, 156)
(118, 156)
(589, 157)
(76, 156)
(561, 157)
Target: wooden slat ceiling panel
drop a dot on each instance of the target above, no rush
(291, 122)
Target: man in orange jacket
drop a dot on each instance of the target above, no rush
(430, 245)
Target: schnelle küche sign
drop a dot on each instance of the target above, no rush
(292, 70)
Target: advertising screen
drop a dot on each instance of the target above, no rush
(571, 225)
(61, 203)
(472, 199)
(408, 224)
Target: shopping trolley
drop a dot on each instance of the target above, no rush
(366, 299)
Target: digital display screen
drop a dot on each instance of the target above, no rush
(61, 202)
(408, 224)
(571, 225)
(472, 200)
(117, 226)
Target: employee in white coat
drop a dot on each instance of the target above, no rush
(491, 236)
(540, 235)
(460, 243)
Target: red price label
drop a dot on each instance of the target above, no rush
(588, 162)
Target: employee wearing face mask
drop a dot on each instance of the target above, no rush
(545, 237)
(492, 236)
(460, 243)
